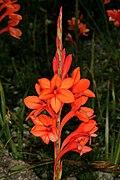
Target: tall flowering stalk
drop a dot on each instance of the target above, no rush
(52, 96)
(9, 9)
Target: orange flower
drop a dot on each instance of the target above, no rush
(83, 29)
(77, 140)
(10, 9)
(45, 128)
(106, 1)
(72, 23)
(84, 130)
(70, 39)
(57, 91)
(80, 86)
(83, 113)
(35, 103)
(114, 15)
(14, 20)
(77, 144)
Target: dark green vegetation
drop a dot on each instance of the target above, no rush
(23, 61)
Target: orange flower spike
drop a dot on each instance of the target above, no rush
(57, 91)
(45, 128)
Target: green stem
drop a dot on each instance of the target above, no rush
(107, 126)
(58, 171)
(76, 31)
(57, 144)
(92, 68)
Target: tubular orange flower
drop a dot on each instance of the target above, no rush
(77, 144)
(83, 113)
(45, 128)
(80, 86)
(84, 129)
(57, 91)
(114, 15)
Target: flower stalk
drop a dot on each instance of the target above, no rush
(52, 95)
(57, 144)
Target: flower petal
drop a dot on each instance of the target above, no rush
(46, 94)
(45, 139)
(39, 130)
(85, 149)
(66, 65)
(53, 136)
(81, 116)
(65, 96)
(87, 111)
(55, 63)
(15, 32)
(76, 75)
(87, 127)
(37, 88)
(45, 120)
(67, 117)
(88, 93)
(81, 85)
(55, 104)
(55, 82)
(44, 83)
(32, 102)
(67, 83)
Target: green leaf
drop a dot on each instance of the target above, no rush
(18, 168)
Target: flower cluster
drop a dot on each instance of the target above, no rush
(51, 97)
(82, 28)
(114, 15)
(9, 9)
